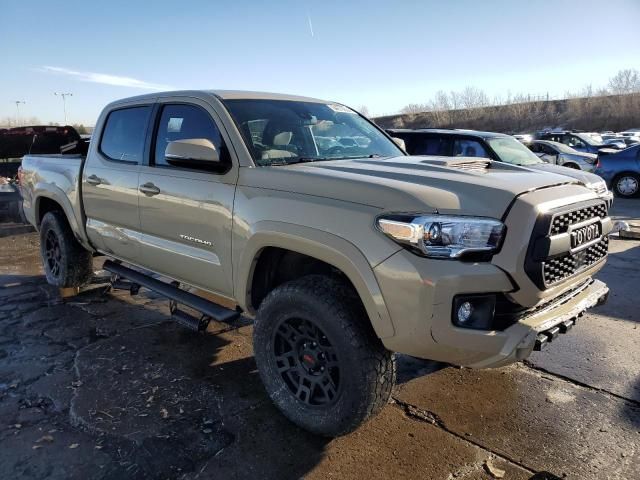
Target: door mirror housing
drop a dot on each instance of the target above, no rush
(199, 153)
(399, 142)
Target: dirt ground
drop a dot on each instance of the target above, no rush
(106, 386)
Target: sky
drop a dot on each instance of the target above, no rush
(381, 55)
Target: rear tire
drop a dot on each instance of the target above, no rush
(319, 358)
(627, 185)
(66, 263)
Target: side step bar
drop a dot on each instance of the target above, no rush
(172, 292)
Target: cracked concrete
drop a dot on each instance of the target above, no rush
(105, 386)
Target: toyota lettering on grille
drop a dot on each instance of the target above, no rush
(585, 235)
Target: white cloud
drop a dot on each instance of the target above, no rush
(107, 79)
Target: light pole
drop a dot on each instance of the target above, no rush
(64, 103)
(18, 102)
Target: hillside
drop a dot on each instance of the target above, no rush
(595, 113)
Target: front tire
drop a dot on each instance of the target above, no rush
(319, 358)
(627, 185)
(66, 263)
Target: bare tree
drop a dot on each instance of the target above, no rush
(414, 108)
(625, 81)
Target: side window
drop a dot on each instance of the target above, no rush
(430, 145)
(548, 150)
(180, 122)
(574, 142)
(536, 148)
(124, 133)
(469, 148)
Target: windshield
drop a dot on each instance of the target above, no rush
(279, 132)
(592, 139)
(562, 147)
(510, 150)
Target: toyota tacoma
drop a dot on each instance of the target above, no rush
(306, 216)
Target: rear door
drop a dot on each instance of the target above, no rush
(186, 214)
(110, 181)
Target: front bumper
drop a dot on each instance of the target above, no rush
(419, 294)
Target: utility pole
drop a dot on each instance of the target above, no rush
(64, 103)
(18, 103)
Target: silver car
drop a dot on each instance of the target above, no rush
(558, 153)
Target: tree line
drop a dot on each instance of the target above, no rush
(614, 107)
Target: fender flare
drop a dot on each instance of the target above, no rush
(323, 246)
(56, 194)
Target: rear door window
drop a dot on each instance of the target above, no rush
(124, 134)
(429, 145)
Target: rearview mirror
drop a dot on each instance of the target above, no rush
(399, 142)
(192, 153)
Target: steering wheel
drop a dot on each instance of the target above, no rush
(336, 149)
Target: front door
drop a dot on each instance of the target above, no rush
(185, 213)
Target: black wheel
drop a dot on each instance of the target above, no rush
(627, 185)
(66, 263)
(318, 357)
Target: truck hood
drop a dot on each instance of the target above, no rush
(581, 176)
(468, 186)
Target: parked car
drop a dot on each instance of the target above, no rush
(621, 171)
(630, 133)
(582, 142)
(617, 142)
(563, 155)
(630, 140)
(343, 254)
(496, 146)
(524, 138)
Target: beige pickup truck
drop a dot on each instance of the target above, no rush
(307, 216)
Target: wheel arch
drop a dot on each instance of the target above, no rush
(318, 245)
(51, 198)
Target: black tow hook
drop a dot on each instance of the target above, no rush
(548, 336)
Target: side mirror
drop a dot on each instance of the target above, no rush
(399, 142)
(197, 153)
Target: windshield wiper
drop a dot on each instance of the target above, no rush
(291, 160)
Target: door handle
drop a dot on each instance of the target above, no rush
(149, 189)
(94, 180)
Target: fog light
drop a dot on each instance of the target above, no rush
(464, 312)
(475, 311)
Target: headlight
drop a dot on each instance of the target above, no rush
(443, 236)
(599, 187)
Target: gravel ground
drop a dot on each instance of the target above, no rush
(106, 386)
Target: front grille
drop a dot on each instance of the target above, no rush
(549, 256)
(562, 267)
(562, 221)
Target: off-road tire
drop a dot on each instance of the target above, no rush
(367, 371)
(68, 265)
(620, 177)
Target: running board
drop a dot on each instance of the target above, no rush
(172, 292)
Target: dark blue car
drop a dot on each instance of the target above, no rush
(621, 171)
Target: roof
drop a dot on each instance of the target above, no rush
(446, 131)
(224, 95)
